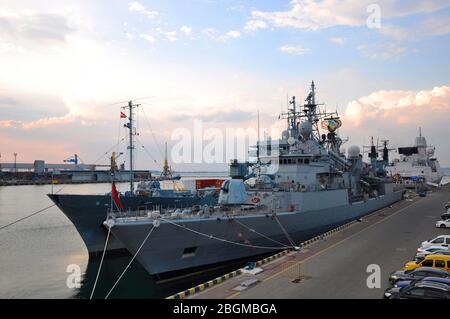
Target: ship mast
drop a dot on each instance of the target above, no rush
(131, 147)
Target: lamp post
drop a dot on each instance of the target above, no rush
(15, 163)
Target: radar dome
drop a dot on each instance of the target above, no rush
(354, 151)
(305, 129)
(291, 140)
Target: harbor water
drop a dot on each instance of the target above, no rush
(40, 256)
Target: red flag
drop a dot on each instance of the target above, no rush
(115, 196)
(123, 115)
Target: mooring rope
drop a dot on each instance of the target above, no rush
(285, 232)
(31, 215)
(221, 239)
(101, 262)
(131, 261)
(262, 235)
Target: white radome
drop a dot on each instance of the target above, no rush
(305, 129)
(354, 151)
(291, 140)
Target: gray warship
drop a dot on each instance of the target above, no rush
(300, 186)
(87, 212)
(417, 164)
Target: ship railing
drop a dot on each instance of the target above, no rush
(147, 214)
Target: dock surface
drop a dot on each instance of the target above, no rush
(336, 267)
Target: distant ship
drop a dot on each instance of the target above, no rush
(300, 186)
(417, 163)
(87, 212)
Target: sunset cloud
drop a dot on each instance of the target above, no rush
(400, 107)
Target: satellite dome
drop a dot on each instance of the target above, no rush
(291, 140)
(354, 151)
(305, 129)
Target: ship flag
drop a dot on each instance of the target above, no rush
(123, 115)
(115, 196)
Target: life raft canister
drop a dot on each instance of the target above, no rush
(256, 200)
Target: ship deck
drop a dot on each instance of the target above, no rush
(336, 266)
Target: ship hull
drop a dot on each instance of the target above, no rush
(171, 249)
(88, 212)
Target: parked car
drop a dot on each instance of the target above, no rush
(422, 252)
(418, 273)
(420, 290)
(436, 261)
(443, 223)
(442, 252)
(438, 252)
(404, 283)
(442, 240)
(446, 215)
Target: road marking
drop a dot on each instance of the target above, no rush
(328, 248)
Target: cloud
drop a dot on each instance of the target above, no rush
(186, 30)
(16, 106)
(215, 35)
(436, 26)
(382, 51)
(316, 15)
(24, 29)
(153, 35)
(396, 32)
(400, 107)
(215, 115)
(396, 115)
(253, 25)
(170, 35)
(293, 50)
(337, 40)
(138, 7)
(230, 35)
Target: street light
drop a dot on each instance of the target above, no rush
(15, 162)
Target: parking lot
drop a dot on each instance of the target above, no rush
(339, 268)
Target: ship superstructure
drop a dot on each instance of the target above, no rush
(300, 186)
(417, 163)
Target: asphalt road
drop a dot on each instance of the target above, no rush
(340, 270)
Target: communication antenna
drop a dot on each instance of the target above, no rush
(257, 142)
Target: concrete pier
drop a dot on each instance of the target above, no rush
(337, 265)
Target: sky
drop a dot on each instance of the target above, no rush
(67, 67)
